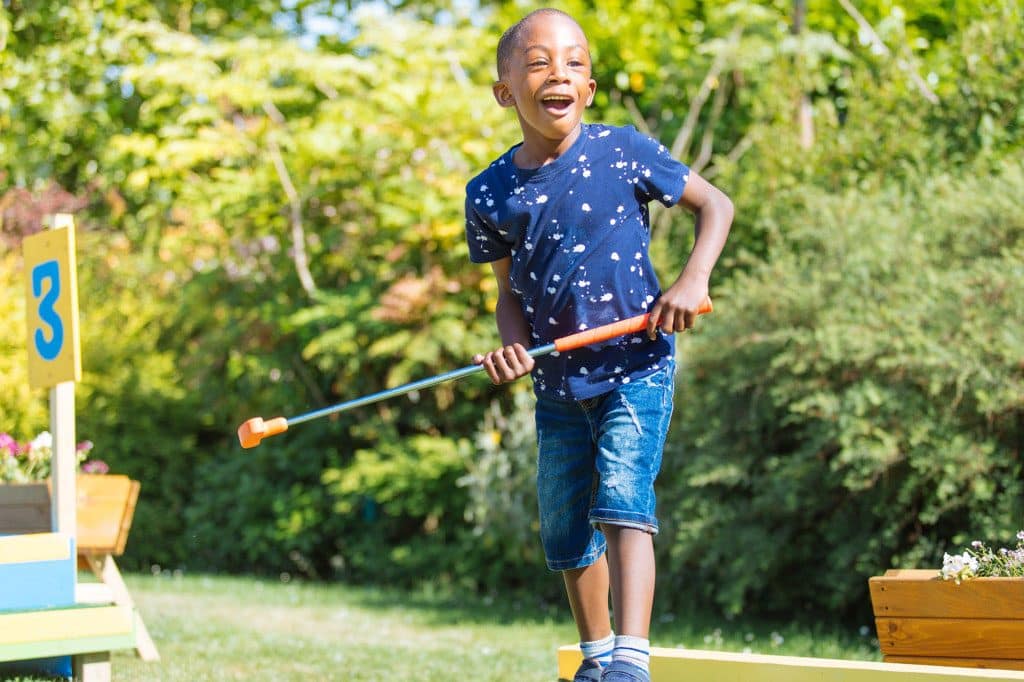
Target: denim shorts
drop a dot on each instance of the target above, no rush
(596, 464)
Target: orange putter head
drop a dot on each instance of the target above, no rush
(255, 430)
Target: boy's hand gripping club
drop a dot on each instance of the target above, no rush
(256, 429)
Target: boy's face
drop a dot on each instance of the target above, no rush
(548, 78)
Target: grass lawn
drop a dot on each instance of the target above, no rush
(228, 628)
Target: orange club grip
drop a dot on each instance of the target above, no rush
(614, 330)
(255, 430)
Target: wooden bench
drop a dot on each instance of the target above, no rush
(41, 626)
(105, 509)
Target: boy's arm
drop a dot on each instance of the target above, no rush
(511, 361)
(676, 310)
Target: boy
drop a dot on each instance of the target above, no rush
(562, 218)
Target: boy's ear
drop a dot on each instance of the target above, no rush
(503, 94)
(593, 90)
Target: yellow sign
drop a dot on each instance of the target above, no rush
(52, 298)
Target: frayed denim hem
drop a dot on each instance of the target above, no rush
(623, 520)
(578, 562)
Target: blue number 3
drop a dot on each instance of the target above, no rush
(49, 270)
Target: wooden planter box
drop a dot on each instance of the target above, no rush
(926, 620)
(106, 506)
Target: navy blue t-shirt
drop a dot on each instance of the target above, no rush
(578, 231)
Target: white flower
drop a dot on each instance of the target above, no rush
(958, 566)
(43, 440)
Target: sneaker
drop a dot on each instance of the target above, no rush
(589, 671)
(622, 671)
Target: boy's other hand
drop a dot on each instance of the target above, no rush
(677, 309)
(506, 364)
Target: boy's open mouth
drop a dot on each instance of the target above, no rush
(556, 103)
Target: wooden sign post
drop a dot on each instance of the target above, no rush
(54, 360)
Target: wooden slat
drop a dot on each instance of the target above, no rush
(106, 570)
(106, 504)
(126, 520)
(66, 624)
(916, 594)
(16, 494)
(991, 663)
(21, 549)
(65, 647)
(24, 508)
(674, 665)
(959, 637)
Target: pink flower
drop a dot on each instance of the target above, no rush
(84, 446)
(8, 443)
(95, 466)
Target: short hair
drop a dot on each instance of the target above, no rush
(510, 38)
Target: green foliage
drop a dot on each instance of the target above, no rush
(25, 412)
(502, 505)
(271, 222)
(860, 403)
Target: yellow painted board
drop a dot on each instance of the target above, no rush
(16, 549)
(70, 647)
(673, 665)
(76, 623)
(51, 295)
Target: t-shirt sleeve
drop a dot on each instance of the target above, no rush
(660, 177)
(485, 243)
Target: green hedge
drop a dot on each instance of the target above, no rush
(856, 402)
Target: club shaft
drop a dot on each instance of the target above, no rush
(405, 388)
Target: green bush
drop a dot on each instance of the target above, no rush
(856, 402)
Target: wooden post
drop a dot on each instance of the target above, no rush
(93, 667)
(54, 360)
(64, 464)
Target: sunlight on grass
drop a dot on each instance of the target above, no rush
(228, 628)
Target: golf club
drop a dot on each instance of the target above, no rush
(254, 430)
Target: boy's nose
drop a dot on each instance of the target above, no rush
(558, 72)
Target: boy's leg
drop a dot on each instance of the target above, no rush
(565, 483)
(631, 572)
(631, 437)
(587, 589)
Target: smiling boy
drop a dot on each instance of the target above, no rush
(563, 220)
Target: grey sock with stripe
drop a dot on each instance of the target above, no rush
(635, 650)
(600, 650)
